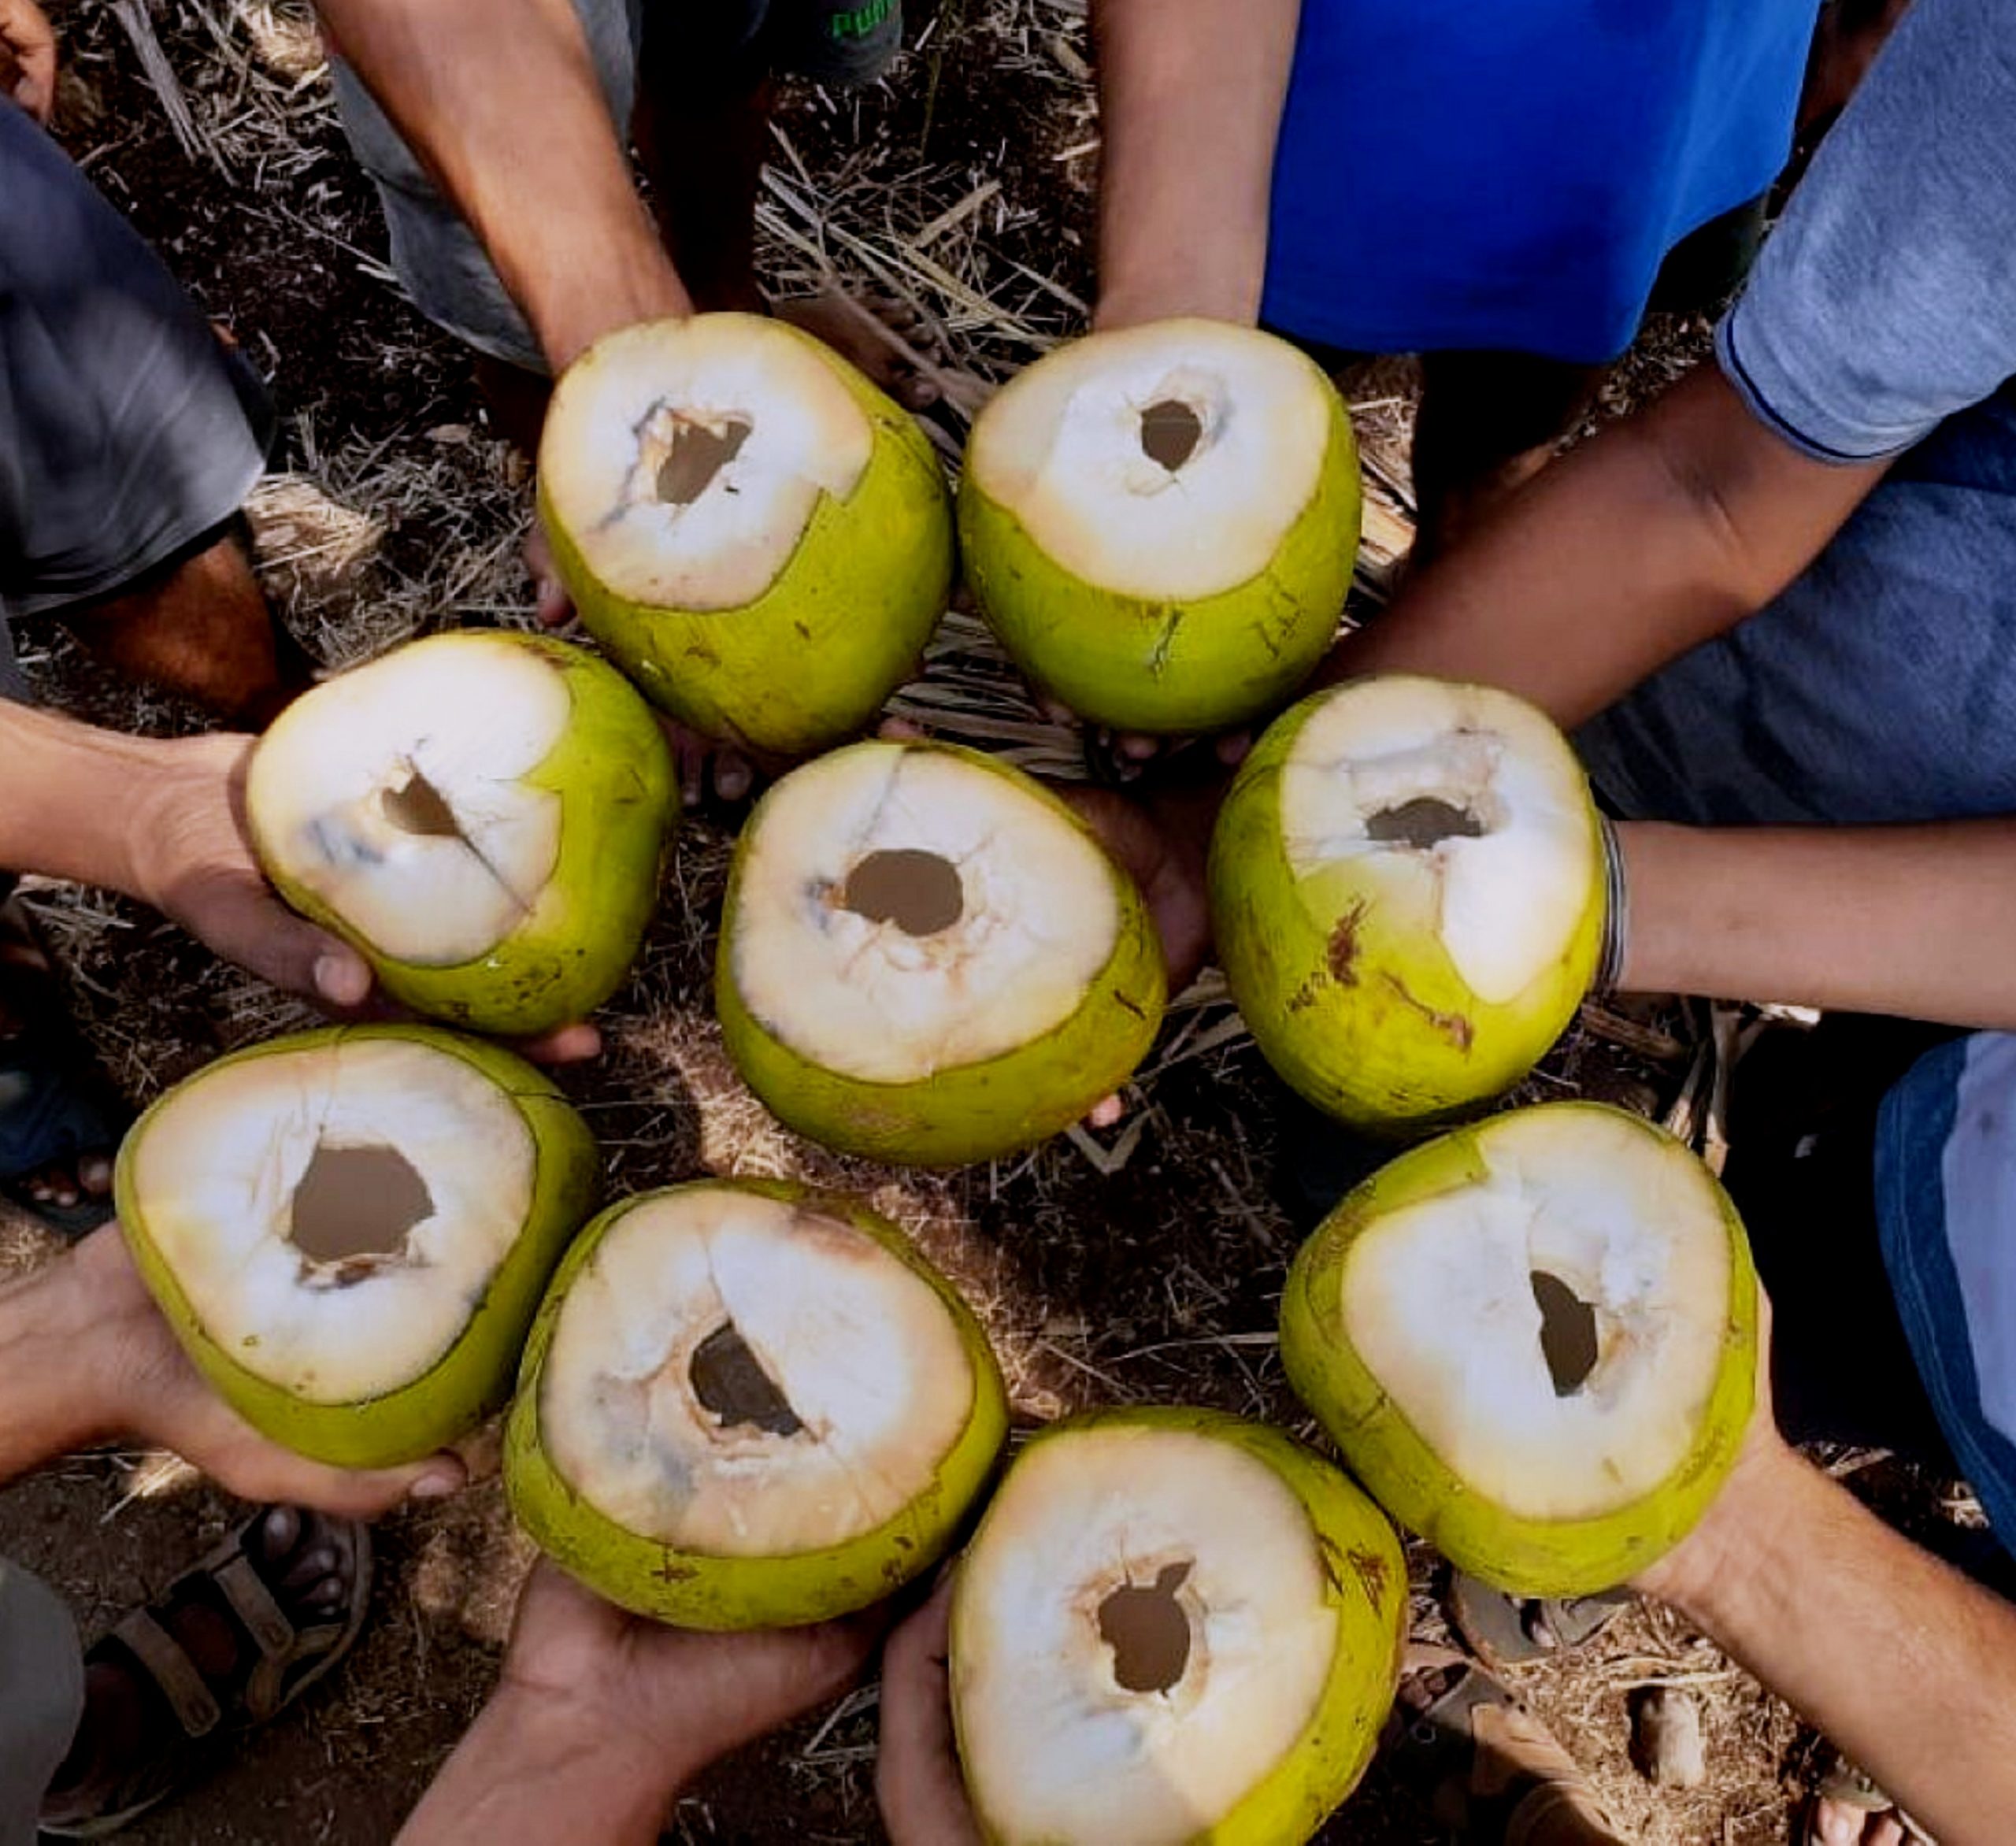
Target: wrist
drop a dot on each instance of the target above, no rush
(636, 283)
(1132, 302)
(1756, 1525)
(545, 1738)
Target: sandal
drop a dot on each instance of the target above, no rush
(277, 1661)
(56, 1107)
(1848, 1786)
(1504, 1630)
(1477, 1757)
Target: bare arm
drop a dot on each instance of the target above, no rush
(500, 100)
(1911, 921)
(1659, 532)
(1908, 1667)
(1190, 101)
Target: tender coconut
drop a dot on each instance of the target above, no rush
(685, 460)
(739, 1375)
(369, 800)
(1142, 1634)
(1554, 1330)
(1168, 461)
(1467, 808)
(903, 911)
(334, 1215)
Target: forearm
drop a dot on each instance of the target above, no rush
(500, 100)
(73, 791)
(1906, 1666)
(1657, 533)
(523, 1777)
(1190, 104)
(1916, 921)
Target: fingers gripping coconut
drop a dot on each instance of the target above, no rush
(1407, 891)
(746, 1405)
(350, 1230)
(926, 958)
(1174, 1626)
(1161, 523)
(1535, 1342)
(761, 537)
(481, 815)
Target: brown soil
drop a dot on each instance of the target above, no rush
(1145, 1264)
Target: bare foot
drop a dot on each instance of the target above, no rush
(886, 339)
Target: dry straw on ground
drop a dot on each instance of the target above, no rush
(1139, 1264)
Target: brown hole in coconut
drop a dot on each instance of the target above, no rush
(1568, 1334)
(917, 891)
(1170, 432)
(699, 452)
(357, 1203)
(1149, 1632)
(1423, 822)
(417, 806)
(731, 1383)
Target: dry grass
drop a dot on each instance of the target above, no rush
(1138, 1264)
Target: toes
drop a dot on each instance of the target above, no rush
(94, 1174)
(1835, 1824)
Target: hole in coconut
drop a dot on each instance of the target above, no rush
(699, 452)
(1423, 822)
(1568, 1334)
(1149, 1632)
(1170, 432)
(417, 806)
(730, 1382)
(917, 891)
(357, 1204)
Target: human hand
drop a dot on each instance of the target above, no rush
(189, 854)
(1162, 836)
(673, 1699)
(124, 1374)
(1706, 1557)
(917, 1783)
(28, 57)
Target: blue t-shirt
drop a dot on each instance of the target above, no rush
(1452, 175)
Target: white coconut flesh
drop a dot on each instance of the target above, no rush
(904, 911)
(1167, 461)
(737, 1376)
(685, 458)
(1461, 806)
(334, 1216)
(395, 793)
(1553, 1332)
(1143, 1634)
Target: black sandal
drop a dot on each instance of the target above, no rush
(277, 1661)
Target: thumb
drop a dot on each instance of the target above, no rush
(241, 918)
(917, 1781)
(271, 1473)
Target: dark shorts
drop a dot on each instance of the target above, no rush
(723, 43)
(127, 430)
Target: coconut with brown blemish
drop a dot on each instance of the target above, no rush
(351, 1229)
(1407, 895)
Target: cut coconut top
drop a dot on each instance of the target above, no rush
(903, 911)
(393, 793)
(1469, 807)
(738, 1375)
(1554, 1332)
(1142, 1631)
(334, 1215)
(684, 457)
(1167, 461)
